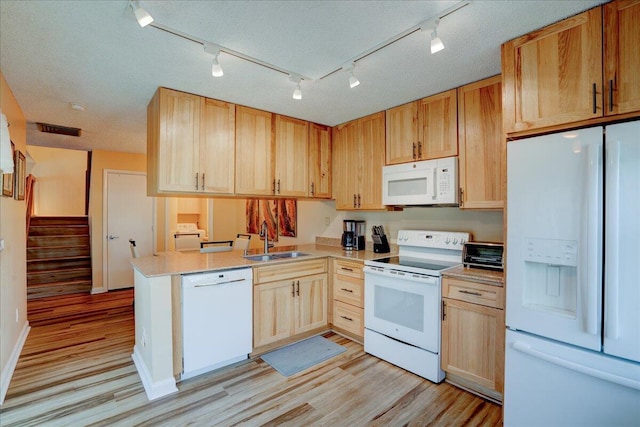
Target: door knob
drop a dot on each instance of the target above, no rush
(112, 237)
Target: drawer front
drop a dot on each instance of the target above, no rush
(349, 318)
(292, 270)
(349, 290)
(348, 268)
(473, 292)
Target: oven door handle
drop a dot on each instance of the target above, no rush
(400, 275)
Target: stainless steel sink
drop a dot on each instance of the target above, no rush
(275, 255)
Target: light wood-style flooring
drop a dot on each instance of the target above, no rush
(76, 370)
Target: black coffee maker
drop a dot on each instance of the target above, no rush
(353, 234)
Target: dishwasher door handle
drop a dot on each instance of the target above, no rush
(219, 283)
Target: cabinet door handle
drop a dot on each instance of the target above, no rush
(358, 199)
(610, 95)
(346, 290)
(354, 200)
(413, 154)
(419, 149)
(595, 99)
(278, 186)
(444, 310)
(196, 181)
(298, 287)
(273, 187)
(293, 288)
(313, 190)
(477, 294)
(347, 318)
(346, 269)
(461, 196)
(202, 181)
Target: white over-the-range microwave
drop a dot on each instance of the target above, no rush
(423, 183)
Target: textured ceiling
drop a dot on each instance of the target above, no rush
(93, 53)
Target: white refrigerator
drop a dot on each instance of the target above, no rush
(572, 354)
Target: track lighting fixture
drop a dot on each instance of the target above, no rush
(141, 15)
(353, 80)
(216, 68)
(297, 93)
(436, 43)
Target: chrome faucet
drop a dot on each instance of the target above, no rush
(264, 232)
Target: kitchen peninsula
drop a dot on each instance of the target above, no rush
(158, 347)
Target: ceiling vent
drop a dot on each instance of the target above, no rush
(57, 129)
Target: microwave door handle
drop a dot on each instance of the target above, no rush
(434, 194)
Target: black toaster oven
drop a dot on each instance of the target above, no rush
(483, 255)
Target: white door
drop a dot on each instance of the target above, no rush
(129, 215)
(554, 236)
(622, 247)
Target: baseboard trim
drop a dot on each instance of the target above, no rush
(156, 389)
(7, 372)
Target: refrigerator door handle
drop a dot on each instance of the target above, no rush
(525, 348)
(593, 219)
(613, 235)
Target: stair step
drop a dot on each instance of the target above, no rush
(59, 220)
(58, 263)
(57, 289)
(56, 276)
(58, 230)
(57, 252)
(51, 241)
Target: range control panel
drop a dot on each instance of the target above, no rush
(433, 239)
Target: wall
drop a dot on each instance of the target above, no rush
(13, 268)
(60, 180)
(102, 160)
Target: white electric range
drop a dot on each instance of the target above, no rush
(403, 300)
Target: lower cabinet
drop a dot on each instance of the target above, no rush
(473, 336)
(348, 298)
(289, 299)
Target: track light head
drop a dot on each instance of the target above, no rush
(436, 43)
(297, 93)
(143, 17)
(353, 81)
(216, 68)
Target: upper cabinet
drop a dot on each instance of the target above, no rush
(622, 57)
(187, 138)
(358, 157)
(254, 160)
(291, 154)
(423, 129)
(482, 145)
(568, 86)
(319, 161)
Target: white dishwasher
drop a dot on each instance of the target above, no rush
(217, 316)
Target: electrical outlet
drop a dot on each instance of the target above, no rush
(1, 244)
(17, 315)
(327, 220)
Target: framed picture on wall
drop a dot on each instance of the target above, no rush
(20, 166)
(7, 178)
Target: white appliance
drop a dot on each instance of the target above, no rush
(573, 278)
(428, 182)
(403, 300)
(217, 313)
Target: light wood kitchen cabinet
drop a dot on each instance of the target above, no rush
(482, 145)
(319, 161)
(568, 87)
(289, 300)
(622, 57)
(423, 129)
(291, 156)
(190, 142)
(402, 134)
(358, 157)
(473, 330)
(254, 152)
(438, 126)
(348, 298)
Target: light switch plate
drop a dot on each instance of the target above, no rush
(1, 244)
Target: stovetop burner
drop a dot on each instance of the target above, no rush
(416, 263)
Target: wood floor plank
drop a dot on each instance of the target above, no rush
(76, 370)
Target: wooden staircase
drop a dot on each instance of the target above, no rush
(58, 256)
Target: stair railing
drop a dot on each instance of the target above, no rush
(30, 184)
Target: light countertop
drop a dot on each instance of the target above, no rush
(169, 263)
(491, 277)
